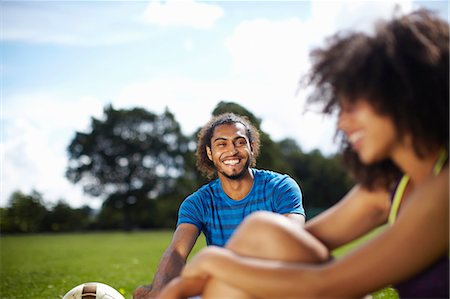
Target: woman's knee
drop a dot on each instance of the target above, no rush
(256, 229)
(269, 235)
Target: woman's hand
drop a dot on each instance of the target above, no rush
(172, 290)
(181, 287)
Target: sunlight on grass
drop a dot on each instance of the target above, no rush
(47, 266)
(50, 265)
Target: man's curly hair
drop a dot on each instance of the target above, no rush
(204, 164)
(402, 70)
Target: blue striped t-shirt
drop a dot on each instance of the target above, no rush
(217, 215)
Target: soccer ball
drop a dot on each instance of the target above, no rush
(93, 290)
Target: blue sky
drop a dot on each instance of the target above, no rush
(63, 61)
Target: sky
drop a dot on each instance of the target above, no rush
(62, 62)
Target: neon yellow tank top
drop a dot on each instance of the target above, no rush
(400, 190)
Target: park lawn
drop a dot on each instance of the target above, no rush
(47, 266)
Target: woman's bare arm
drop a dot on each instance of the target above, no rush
(357, 213)
(419, 237)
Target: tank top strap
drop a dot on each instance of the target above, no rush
(401, 187)
(442, 160)
(397, 198)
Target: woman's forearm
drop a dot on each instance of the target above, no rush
(183, 287)
(365, 270)
(257, 277)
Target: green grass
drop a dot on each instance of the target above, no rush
(47, 266)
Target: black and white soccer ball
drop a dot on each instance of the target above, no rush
(93, 290)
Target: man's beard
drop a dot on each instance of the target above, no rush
(237, 175)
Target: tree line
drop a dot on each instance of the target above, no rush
(142, 166)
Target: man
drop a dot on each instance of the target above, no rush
(228, 146)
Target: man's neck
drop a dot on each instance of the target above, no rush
(237, 189)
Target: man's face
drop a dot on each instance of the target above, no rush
(230, 150)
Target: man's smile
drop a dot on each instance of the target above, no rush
(231, 161)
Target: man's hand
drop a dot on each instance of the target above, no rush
(144, 292)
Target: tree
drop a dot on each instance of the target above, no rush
(63, 218)
(127, 158)
(24, 214)
(323, 179)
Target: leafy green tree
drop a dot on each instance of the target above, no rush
(24, 214)
(4, 222)
(128, 157)
(63, 218)
(323, 179)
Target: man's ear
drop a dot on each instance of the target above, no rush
(208, 152)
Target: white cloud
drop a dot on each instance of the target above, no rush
(185, 13)
(97, 23)
(263, 48)
(191, 101)
(327, 17)
(36, 135)
(72, 23)
(268, 59)
(189, 44)
(274, 101)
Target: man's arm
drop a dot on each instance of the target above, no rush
(172, 261)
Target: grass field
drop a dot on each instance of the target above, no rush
(47, 266)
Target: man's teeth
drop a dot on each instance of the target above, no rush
(355, 137)
(231, 162)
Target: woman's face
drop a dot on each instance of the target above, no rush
(372, 135)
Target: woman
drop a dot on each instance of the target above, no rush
(391, 90)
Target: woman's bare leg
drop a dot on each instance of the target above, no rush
(269, 236)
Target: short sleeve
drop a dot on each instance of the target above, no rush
(288, 197)
(190, 212)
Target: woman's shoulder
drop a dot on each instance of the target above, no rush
(439, 181)
(434, 192)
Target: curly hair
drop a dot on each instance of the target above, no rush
(402, 70)
(204, 164)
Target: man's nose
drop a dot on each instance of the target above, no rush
(232, 148)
